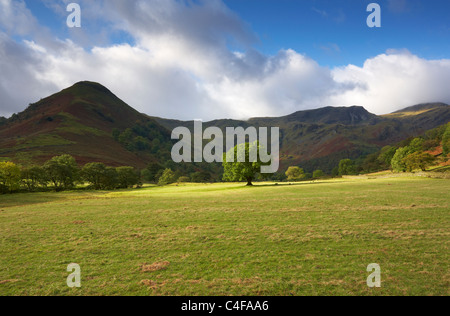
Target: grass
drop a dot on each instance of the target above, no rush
(406, 114)
(42, 140)
(227, 239)
(72, 125)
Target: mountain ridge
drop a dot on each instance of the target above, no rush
(90, 122)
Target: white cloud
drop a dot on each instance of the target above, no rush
(390, 82)
(183, 66)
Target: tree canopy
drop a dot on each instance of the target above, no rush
(295, 174)
(62, 171)
(9, 177)
(243, 168)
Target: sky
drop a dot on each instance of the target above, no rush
(212, 59)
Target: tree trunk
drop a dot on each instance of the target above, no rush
(249, 182)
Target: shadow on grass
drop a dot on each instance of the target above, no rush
(29, 198)
(22, 199)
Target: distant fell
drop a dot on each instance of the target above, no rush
(353, 115)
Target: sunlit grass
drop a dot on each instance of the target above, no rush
(227, 239)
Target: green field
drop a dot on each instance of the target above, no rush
(228, 239)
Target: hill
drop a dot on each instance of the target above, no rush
(89, 122)
(319, 139)
(80, 121)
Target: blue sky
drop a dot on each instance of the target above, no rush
(334, 32)
(211, 59)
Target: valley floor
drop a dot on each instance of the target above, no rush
(228, 239)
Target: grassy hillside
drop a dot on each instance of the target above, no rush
(226, 239)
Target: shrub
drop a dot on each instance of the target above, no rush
(184, 179)
(168, 177)
(295, 174)
(318, 174)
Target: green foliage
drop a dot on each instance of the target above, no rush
(242, 171)
(279, 176)
(183, 179)
(446, 141)
(116, 134)
(397, 162)
(416, 145)
(62, 171)
(346, 167)
(140, 143)
(9, 177)
(144, 137)
(318, 174)
(152, 172)
(386, 155)
(201, 177)
(33, 178)
(418, 160)
(335, 172)
(168, 177)
(295, 174)
(369, 164)
(127, 177)
(100, 176)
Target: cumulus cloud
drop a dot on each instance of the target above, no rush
(195, 59)
(393, 81)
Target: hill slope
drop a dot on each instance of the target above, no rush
(319, 139)
(78, 121)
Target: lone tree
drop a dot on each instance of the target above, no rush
(242, 169)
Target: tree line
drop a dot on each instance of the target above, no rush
(407, 156)
(62, 173)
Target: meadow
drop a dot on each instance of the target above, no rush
(228, 239)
